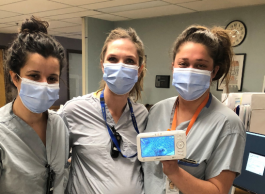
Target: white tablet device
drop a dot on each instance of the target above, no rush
(164, 145)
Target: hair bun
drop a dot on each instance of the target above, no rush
(34, 25)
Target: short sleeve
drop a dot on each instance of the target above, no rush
(227, 155)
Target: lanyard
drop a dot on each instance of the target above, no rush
(193, 119)
(103, 109)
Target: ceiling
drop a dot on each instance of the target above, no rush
(64, 16)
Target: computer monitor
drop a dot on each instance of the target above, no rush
(252, 178)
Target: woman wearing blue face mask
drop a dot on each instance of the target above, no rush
(215, 135)
(33, 141)
(104, 124)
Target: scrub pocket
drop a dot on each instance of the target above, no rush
(94, 160)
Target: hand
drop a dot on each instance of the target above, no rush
(170, 167)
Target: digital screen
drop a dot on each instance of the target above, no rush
(256, 164)
(252, 176)
(157, 146)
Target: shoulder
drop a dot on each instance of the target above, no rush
(78, 102)
(139, 109)
(221, 114)
(54, 116)
(5, 114)
(4, 132)
(163, 106)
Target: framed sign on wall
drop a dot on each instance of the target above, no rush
(236, 74)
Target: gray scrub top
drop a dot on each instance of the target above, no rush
(24, 155)
(93, 170)
(216, 141)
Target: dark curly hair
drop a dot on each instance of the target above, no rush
(33, 38)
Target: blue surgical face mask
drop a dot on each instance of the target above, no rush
(191, 83)
(38, 96)
(120, 77)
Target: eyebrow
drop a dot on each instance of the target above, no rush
(33, 71)
(186, 59)
(55, 74)
(114, 55)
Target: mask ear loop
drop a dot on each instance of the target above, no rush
(19, 76)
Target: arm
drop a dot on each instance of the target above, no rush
(188, 184)
(64, 118)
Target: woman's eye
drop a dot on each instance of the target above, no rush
(201, 66)
(183, 64)
(112, 59)
(34, 76)
(52, 79)
(130, 62)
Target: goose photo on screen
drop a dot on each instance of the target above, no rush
(157, 146)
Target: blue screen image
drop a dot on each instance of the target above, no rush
(157, 146)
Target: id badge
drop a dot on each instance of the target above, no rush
(170, 187)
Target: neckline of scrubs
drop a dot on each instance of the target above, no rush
(108, 114)
(186, 124)
(46, 150)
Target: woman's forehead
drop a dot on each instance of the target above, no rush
(36, 62)
(122, 45)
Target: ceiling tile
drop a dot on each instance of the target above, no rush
(6, 14)
(32, 6)
(217, 4)
(14, 20)
(78, 2)
(60, 24)
(9, 2)
(109, 17)
(133, 6)
(73, 15)
(112, 4)
(77, 20)
(59, 11)
(72, 29)
(206, 5)
(3, 26)
(12, 29)
(154, 12)
(180, 1)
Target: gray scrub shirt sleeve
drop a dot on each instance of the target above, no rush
(224, 156)
(62, 115)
